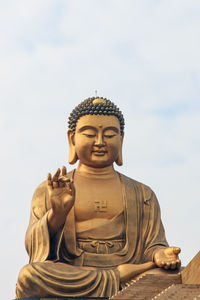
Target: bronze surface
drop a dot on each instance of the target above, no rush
(92, 229)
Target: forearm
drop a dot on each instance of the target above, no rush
(128, 271)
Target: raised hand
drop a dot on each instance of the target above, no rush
(167, 258)
(61, 196)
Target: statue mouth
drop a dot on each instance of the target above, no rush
(99, 152)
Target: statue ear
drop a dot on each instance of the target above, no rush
(72, 152)
(119, 160)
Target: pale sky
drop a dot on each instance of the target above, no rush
(141, 54)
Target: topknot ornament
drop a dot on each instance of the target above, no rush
(99, 101)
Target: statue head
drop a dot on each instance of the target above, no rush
(95, 135)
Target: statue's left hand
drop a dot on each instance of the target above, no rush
(167, 258)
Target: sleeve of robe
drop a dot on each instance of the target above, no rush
(43, 277)
(37, 240)
(155, 233)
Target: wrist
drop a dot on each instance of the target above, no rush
(55, 221)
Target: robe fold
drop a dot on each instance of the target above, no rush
(63, 266)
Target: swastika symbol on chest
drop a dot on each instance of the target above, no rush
(100, 205)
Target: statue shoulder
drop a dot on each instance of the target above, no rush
(40, 191)
(142, 188)
(41, 187)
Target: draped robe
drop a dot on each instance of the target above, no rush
(62, 267)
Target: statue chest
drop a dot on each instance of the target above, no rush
(97, 199)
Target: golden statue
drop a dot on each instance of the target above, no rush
(92, 229)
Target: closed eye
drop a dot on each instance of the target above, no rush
(89, 135)
(109, 136)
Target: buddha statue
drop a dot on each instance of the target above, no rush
(93, 229)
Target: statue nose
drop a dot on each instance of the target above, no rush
(99, 141)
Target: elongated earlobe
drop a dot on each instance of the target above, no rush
(72, 152)
(119, 160)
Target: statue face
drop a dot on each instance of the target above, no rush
(97, 140)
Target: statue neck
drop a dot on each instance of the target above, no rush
(95, 171)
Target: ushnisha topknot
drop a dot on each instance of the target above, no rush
(95, 106)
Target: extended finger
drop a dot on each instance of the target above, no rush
(49, 181)
(63, 171)
(56, 175)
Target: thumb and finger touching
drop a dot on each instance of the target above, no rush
(59, 179)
